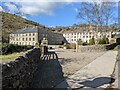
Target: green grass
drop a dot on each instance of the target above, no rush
(10, 57)
(117, 47)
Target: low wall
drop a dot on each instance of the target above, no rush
(20, 73)
(92, 48)
(118, 59)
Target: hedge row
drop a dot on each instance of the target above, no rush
(7, 48)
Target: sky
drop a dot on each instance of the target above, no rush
(46, 12)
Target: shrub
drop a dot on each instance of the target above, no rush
(61, 46)
(92, 41)
(70, 46)
(104, 40)
(117, 47)
(80, 42)
(10, 48)
(85, 43)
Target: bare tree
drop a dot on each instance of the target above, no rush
(97, 14)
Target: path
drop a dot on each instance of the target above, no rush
(94, 75)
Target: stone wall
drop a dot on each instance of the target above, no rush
(92, 48)
(118, 59)
(20, 73)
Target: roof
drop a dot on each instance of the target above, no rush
(26, 30)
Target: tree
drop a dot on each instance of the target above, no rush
(98, 14)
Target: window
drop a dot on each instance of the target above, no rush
(29, 39)
(83, 36)
(26, 39)
(23, 39)
(33, 34)
(33, 39)
(26, 34)
(86, 36)
(29, 34)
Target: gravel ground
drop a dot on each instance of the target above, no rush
(72, 61)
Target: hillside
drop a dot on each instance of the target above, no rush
(11, 23)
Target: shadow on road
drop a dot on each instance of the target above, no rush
(49, 73)
(97, 82)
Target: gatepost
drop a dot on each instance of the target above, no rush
(44, 46)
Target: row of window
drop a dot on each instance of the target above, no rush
(28, 39)
(23, 43)
(27, 34)
(80, 37)
(77, 33)
(24, 39)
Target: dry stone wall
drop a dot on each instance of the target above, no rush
(97, 48)
(92, 48)
(20, 73)
(118, 59)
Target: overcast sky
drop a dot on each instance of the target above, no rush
(52, 13)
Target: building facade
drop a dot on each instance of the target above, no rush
(84, 35)
(33, 35)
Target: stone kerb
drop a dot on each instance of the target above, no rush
(20, 73)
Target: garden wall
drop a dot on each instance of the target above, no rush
(20, 73)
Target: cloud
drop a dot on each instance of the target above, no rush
(24, 8)
(37, 8)
(1, 9)
(11, 7)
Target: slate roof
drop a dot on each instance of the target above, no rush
(26, 30)
(53, 38)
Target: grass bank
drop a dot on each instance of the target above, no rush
(10, 57)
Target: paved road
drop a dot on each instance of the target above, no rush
(94, 75)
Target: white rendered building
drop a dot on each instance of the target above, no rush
(84, 35)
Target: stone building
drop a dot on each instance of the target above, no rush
(33, 35)
(84, 35)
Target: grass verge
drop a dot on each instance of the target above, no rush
(10, 57)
